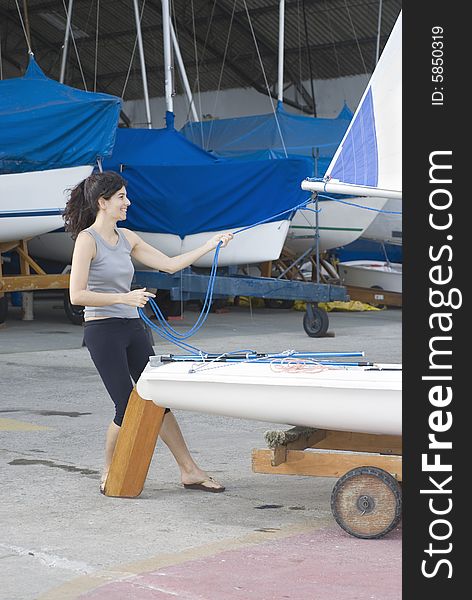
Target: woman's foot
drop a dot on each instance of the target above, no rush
(201, 481)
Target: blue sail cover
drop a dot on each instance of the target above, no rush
(47, 125)
(176, 187)
(262, 135)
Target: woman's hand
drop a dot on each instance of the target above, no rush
(225, 238)
(137, 297)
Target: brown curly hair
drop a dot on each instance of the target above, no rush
(82, 207)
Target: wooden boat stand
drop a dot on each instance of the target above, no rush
(341, 451)
(366, 500)
(31, 277)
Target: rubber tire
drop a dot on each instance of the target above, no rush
(3, 308)
(386, 498)
(318, 326)
(75, 313)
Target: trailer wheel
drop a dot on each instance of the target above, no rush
(74, 312)
(315, 321)
(3, 308)
(367, 502)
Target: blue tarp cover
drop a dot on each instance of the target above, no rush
(176, 187)
(262, 135)
(45, 124)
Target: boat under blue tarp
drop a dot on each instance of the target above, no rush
(46, 124)
(272, 136)
(177, 187)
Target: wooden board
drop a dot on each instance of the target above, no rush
(323, 464)
(134, 448)
(27, 283)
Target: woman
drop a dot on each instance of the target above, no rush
(114, 334)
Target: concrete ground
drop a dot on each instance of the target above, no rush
(267, 537)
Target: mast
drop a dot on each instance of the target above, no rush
(280, 96)
(66, 42)
(183, 73)
(167, 56)
(143, 65)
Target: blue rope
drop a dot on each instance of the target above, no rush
(167, 332)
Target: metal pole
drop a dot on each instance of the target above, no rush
(377, 50)
(183, 73)
(143, 64)
(66, 41)
(281, 50)
(167, 55)
(27, 27)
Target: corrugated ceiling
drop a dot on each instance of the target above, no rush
(324, 39)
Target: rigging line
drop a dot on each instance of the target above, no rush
(132, 54)
(207, 35)
(221, 72)
(75, 48)
(96, 47)
(330, 27)
(355, 36)
(23, 27)
(265, 79)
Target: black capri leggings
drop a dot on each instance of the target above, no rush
(120, 349)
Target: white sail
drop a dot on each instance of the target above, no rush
(368, 160)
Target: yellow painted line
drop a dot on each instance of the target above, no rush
(75, 588)
(14, 425)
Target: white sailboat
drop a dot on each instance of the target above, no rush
(362, 399)
(368, 164)
(358, 398)
(45, 149)
(257, 244)
(368, 161)
(377, 274)
(32, 202)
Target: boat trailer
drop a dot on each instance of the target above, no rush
(188, 284)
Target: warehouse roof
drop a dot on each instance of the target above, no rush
(222, 42)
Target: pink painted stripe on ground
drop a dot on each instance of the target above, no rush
(326, 564)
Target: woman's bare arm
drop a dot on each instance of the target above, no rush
(151, 257)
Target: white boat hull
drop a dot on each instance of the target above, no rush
(32, 203)
(387, 227)
(259, 244)
(345, 399)
(372, 274)
(339, 223)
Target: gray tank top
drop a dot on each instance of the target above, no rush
(111, 271)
